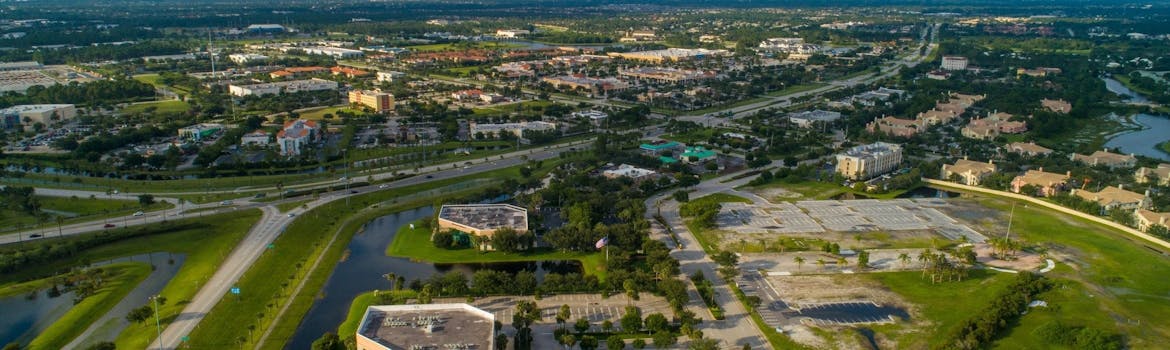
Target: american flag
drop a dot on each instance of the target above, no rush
(602, 242)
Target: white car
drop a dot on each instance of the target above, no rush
(383, 186)
(139, 213)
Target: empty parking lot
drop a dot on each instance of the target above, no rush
(844, 216)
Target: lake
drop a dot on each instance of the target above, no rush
(1144, 142)
(363, 268)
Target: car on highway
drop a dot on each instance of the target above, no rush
(383, 186)
(291, 215)
(225, 203)
(353, 191)
(35, 235)
(430, 176)
(139, 213)
(108, 225)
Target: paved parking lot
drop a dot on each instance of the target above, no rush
(844, 216)
(590, 306)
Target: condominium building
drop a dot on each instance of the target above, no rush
(1106, 158)
(968, 172)
(1111, 197)
(1146, 219)
(377, 100)
(390, 77)
(296, 135)
(1058, 106)
(868, 161)
(668, 55)
(1030, 149)
(1159, 175)
(1046, 184)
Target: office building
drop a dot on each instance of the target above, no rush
(868, 161)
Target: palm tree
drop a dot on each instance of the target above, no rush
(905, 259)
(799, 262)
(821, 263)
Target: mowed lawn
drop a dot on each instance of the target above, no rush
(160, 107)
(415, 243)
(937, 303)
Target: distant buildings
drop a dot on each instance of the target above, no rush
(258, 137)
(1107, 159)
(293, 72)
(390, 77)
(1058, 106)
(31, 114)
(1159, 175)
(942, 113)
(992, 126)
(1038, 72)
(1030, 149)
(377, 100)
(22, 65)
(335, 52)
(245, 58)
(1145, 219)
(512, 33)
(788, 45)
(666, 75)
(668, 55)
(639, 36)
(348, 72)
(867, 161)
(1110, 198)
(630, 171)
(593, 85)
(806, 119)
(296, 135)
(660, 147)
(954, 63)
(426, 326)
(518, 129)
(970, 173)
(266, 29)
(198, 132)
(284, 87)
(1046, 184)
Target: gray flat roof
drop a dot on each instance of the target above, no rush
(486, 216)
(429, 326)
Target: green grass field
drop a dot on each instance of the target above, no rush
(160, 107)
(416, 244)
(206, 248)
(319, 114)
(936, 303)
(124, 277)
(503, 109)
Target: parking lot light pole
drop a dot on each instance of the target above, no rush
(157, 323)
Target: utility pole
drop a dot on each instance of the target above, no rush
(157, 324)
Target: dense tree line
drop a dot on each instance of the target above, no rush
(1088, 338)
(975, 332)
(95, 93)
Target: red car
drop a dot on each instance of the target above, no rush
(108, 225)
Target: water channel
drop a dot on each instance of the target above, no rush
(366, 263)
(25, 318)
(1154, 129)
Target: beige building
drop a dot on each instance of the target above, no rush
(1058, 106)
(1106, 158)
(377, 100)
(46, 114)
(1161, 174)
(483, 219)
(1115, 198)
(968, 172)
(1046, 184)
(868, 161)
(1145, 218)
(668, 55)
(426, 326)
(1029, 149)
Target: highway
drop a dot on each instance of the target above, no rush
(272, 223)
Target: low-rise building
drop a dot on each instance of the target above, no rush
(1058, 106)
(518, 129)
(668, 55)
(198, 132)
(293, 72)
(390, 77)
(594, 85)
(1038, 72)
(1111, 198)
(426, 326)
(594, 116)
(992, 126)
(1030, 149)
(1046, 184)
(1146, 219)
(868, 161)
(296, 135)
(661, 147)
(788, 45)
(954, 63)
(464, 95)
(630, 171)
(483, 219)
(1107, 159)
(245, 58)
(666, 75)
(283, 87)
(967, 172)
(1159, 175)
(894, 126)
(29, 115)
(258, 138)
(22, 65)
(806, 119)
(376, 99)
(512, 33)
(335, 52)
(349, 72)
(696, 154)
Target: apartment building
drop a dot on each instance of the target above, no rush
(374, 99)
(868, 161)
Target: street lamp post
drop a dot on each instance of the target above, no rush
(157, 323)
